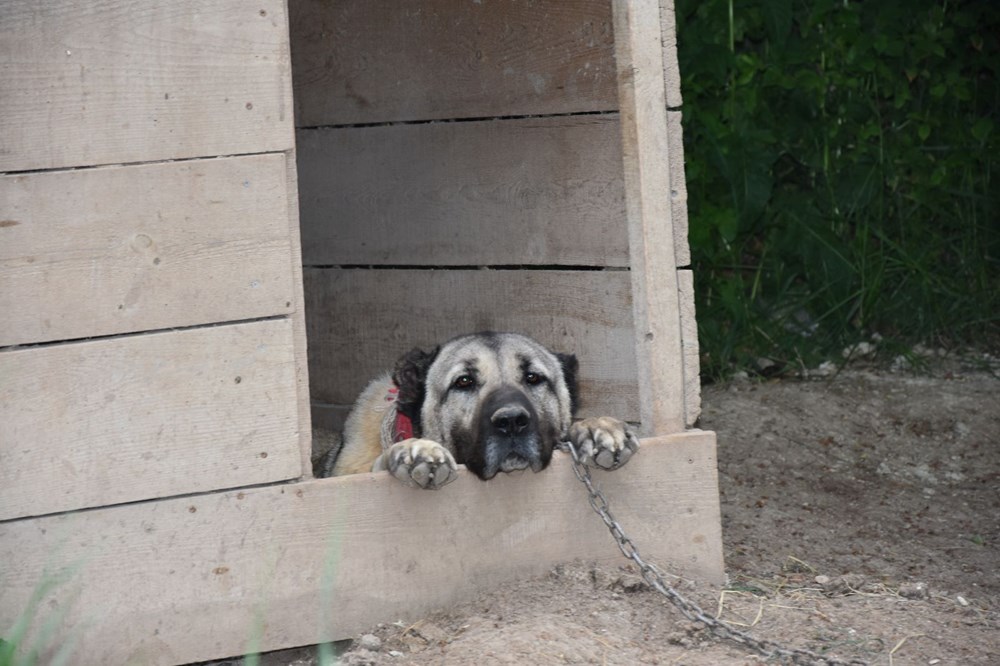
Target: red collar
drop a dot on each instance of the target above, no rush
(402, 428)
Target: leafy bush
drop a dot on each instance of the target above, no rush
(840, 160)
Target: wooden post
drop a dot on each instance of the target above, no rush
(645, 152)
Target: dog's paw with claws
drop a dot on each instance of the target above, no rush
(419, 462)
(603, 442)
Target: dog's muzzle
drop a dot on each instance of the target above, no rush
(509, 430)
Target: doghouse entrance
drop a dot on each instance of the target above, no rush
(460, 168)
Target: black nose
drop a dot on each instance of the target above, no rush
(511, 420)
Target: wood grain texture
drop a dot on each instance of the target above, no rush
(89, 83)
(298, 317)
(671, 68)
(531, 191)
(120, 249)
(361, 321)
(678, 189)
(646, 155)
(125, 419)
(689, 346)
(189, 579)
(542, 191)
(366, 61)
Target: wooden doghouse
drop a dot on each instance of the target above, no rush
(493, 164)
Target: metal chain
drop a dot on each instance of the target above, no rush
(691, 610)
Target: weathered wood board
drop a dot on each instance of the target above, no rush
(124, 419)
(88, 83)
(678, 189)
(544, 191)
(376, 60)
(458, 60)
(646, 157)
(210, 576)
(111, 250)
(689, 346)
(533, 191)
(671, 68)
(300, 342)
(361, 321)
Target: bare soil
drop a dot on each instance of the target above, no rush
(861, 520)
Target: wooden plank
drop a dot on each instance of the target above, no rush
(671, 69)
(360, 321)
(298, 318)
(646, 154)
(678, 189)
(329, 417)
(689, 345)
(109, 82)
(190, 579)
(538, 191)
(125, 419)
(120, 249)
(530, 191)
(368, 61)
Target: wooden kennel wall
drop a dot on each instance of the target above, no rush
(155, 484)
(468, 136)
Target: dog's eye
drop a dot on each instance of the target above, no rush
(533, 378)
(464, 382)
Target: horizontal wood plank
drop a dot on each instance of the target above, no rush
(459, 60)
(109, 82)
(536, 191)
(376, 61)
(120, 249)
(532, 191)
(189, 579)
(124, 419)
(328, 417)
(360, 321)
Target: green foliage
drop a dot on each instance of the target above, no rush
(840, 161)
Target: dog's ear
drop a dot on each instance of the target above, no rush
(410, 374)
(569, 368)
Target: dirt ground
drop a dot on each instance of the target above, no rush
(861, 520)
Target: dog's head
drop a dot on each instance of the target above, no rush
(499, 402)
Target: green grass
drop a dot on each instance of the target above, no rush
(327, 653)
(19, 646)
(37, 636)
(840, 161)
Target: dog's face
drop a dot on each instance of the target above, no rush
(499, 402)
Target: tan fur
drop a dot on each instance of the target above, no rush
(364, 427)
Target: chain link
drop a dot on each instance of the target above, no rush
(691, 610)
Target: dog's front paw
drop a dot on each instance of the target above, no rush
(603, 442)
(421, 462)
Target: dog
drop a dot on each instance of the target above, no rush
(494, 402)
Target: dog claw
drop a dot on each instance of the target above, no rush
(603, 442)
(421, 463)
